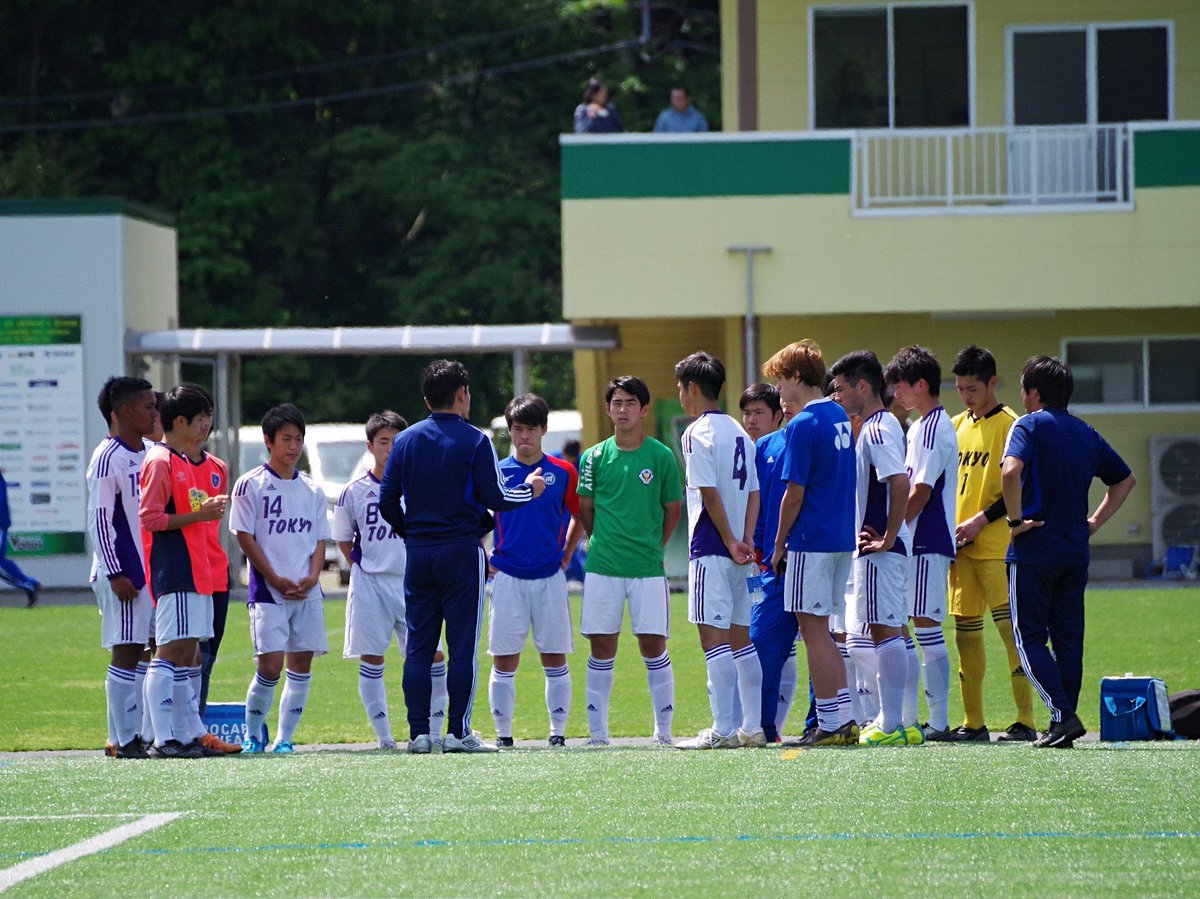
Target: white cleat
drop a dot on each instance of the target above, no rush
(467, 743)
(755, 739)
(662, 741)
(420, 745)
(596, 743)
(710, 739)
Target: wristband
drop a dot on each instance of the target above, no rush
(1015, 522)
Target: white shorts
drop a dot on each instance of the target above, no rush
(927, 586)
(122, 623)
(718, 594)
(293, 626)
(374, 614)
(183, 616)
(604, 604)
(879, 590)
(519, 603)
(815, 583)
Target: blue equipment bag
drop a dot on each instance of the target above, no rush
(1134, 708)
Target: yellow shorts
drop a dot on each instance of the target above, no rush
(977, 586)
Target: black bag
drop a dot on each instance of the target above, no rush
(1185, 713)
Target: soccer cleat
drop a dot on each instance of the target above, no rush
(710, 739)
(1061, 734)
(110, 750)
(468, 742)
(865, 732)
(935, 735)
(252, 746)
(596, 743)
(914, 735)
(1018, 733)
(878, 737)
(205, 751)
(756, 739)
(387, 745)
(662, 741)
(283, 747)
(966, 734)
(31, 596)
(504, 742)
(848, 733)
(131, 750)
(221, 747)
(558, 741)
(421, 744)
(173, 749)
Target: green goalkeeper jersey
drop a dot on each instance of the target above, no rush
(628, 489)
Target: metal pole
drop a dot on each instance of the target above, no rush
(520, 372)
(750, 323)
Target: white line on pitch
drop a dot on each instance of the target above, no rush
(79, 817)
(43, 863)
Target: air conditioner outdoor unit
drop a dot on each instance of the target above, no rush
(1174, 492)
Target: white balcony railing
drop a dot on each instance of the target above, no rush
(931, 170)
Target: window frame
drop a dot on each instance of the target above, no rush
(1125, 408)
(887, 8)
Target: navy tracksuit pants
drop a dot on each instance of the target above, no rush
(1046, 602)
(443, 583)
(773, 632)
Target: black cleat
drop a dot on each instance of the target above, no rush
(1061, 734)
(557, 741)
(966, 734)
(934, 735)
(131, 750)
(173, 749)
(504, 742)
(1018, 733)
(31, 597)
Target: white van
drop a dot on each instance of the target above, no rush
(561, 426)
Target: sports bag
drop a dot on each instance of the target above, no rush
(1134, 708)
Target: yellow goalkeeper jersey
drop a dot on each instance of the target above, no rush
(980, 455)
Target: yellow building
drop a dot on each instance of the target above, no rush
(1018, 174)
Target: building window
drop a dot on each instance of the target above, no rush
(896, 66)
(1148, 373)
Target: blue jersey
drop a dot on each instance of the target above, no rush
(768, 453)
(820, 458)
(530, 539)
(448, 474)
(1061, 455)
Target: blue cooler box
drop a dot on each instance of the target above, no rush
(1134, 708)
(228, 721)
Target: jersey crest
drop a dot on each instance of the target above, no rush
(646, 476)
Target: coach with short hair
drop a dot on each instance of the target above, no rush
(447, 474)
(1050, 459)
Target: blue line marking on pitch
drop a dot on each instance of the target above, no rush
(677, 840)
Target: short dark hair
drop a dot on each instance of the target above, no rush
(913, 363)
(975, 361)
(760, 393)
(594, 86)
(277, 417)
(571, 448)
(385, 419)
(528, 409)
(117, 391)
(440, 382)
(704, 370)
(682, 87)
(188, 400)
(860, 365)
(1051, 378)
(631, 385)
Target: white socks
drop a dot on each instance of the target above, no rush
(749, 687)
(597, 689)
(722, 681)
(124, 705)
(893, 674)
(374, 699)
(258, 703)
(935, 673)
(186, 725)
(291, 704)
(160, 690)
(660, 678)
(912, 684)
(502, 695)
(437, 699)
(558, 698)
(866, 664)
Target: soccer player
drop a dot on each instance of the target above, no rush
(118, 574)
(279, 520)
(447, 474)
(722, 499)
(815, 535)
(881, 565)
(534, 542)
(1050, 460)
(9, 570)
(629, 498)
(915, 376)
(977, 581)
(375, 600)
(182, 499)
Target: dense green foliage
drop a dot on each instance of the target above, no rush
(430, 197)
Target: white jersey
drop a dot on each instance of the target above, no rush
(932, 459)
(112, 514)
(879, 453)
(377, 548)
(286, 518)
(717, 453)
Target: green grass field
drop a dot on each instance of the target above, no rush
(1100, 819)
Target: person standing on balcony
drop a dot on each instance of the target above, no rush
(681, 117)
(596, 114)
